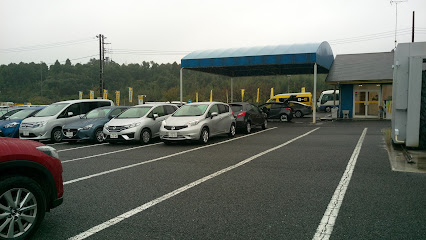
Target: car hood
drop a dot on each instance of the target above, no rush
(36, 119)
(125, 121)
(180, 121)
(4, 122)
(84, 122)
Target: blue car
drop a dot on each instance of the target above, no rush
(90, 126)
(9, 127)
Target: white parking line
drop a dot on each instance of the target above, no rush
(154, 202)
(69, 149)
(56, 143)
(103, 154)
(326, 225)
(157, 159)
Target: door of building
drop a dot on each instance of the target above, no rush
(366, 104)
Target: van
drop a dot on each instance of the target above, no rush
(326, 100)
(305, 98)
(47, 124)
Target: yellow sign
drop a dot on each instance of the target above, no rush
(117, 98)
(92, 94)
(140, 99)
(242, 95)
(105, 94)
(196, 97)
(257, 98)
(227, 99)
(130, 94)
(80, 95)
(211, 95)
(303, 89)
(272, 92)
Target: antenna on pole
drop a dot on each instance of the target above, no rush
(396, 15)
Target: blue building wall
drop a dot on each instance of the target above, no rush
(346, 99)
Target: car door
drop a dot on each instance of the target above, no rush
(256, 115)
(214, 121)
(65, 117)
(225, 120)
(156, 122)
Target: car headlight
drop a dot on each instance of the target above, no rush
(132, 125)
(49, 151)
(88, 127)
(12, 124)
(163, 123)
(193, 123)
(39, 124)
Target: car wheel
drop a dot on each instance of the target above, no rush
(23, 205)
(145, 136)
(265, 124)
(99, 136)
(328, 109)
(248, 127)
(56, 135)
(298, 114)
(232, 130)
(204, 137)
(284, 118)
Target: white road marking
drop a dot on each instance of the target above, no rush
(107, 153)
(154, 202)
(56, 143)
(326, 225)
(156, 159)
(69, 149)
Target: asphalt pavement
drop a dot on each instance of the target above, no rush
(276, 183)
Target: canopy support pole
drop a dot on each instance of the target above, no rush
(314, 101)
(232, 90)
(181, 95)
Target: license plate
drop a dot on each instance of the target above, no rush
(172, 134)
(69, 134)
(113, 135)
(26, 133)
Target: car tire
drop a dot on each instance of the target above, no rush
(145, 137)
(284, 118)
(31, 194)
(328, 109)
(248, 127)
(232, 130)
(99, 136)
(265, 124)
(204, 136)
(56, 135)
(298, 114)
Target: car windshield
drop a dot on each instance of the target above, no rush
(10, 113)
(98, 113)
(237, 108)
(135, 112)
(191, 110)
(21, 114)
(51, 110)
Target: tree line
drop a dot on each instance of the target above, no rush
(39, 83)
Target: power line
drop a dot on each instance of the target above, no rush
(46, 46)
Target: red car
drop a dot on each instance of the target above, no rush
(30, 185)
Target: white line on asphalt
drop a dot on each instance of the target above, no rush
(103, 154)
(154, 202)
(325, 228)
(56, 143)
(157, 159)
(69, 149)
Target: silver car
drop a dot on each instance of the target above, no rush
(198, 121)
(139, 123)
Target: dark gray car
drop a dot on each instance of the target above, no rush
(300, 109)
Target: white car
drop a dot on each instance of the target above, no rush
(198, 121)
(138, 123)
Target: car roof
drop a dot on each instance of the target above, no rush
(84, 100)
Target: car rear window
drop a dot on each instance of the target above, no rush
(237, 108)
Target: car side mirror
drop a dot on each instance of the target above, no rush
(154, 116)
(214, 114)
(70, 114)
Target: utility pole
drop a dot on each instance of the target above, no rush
(412, 30)
(101, 64)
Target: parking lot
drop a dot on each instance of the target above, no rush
(284, 182)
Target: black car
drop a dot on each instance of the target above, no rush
(248, 115)
(278, 110)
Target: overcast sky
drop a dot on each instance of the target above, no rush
(165, 31)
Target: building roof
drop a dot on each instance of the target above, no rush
(259, 61)
(356, 68)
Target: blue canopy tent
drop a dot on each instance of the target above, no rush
(262, 61)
